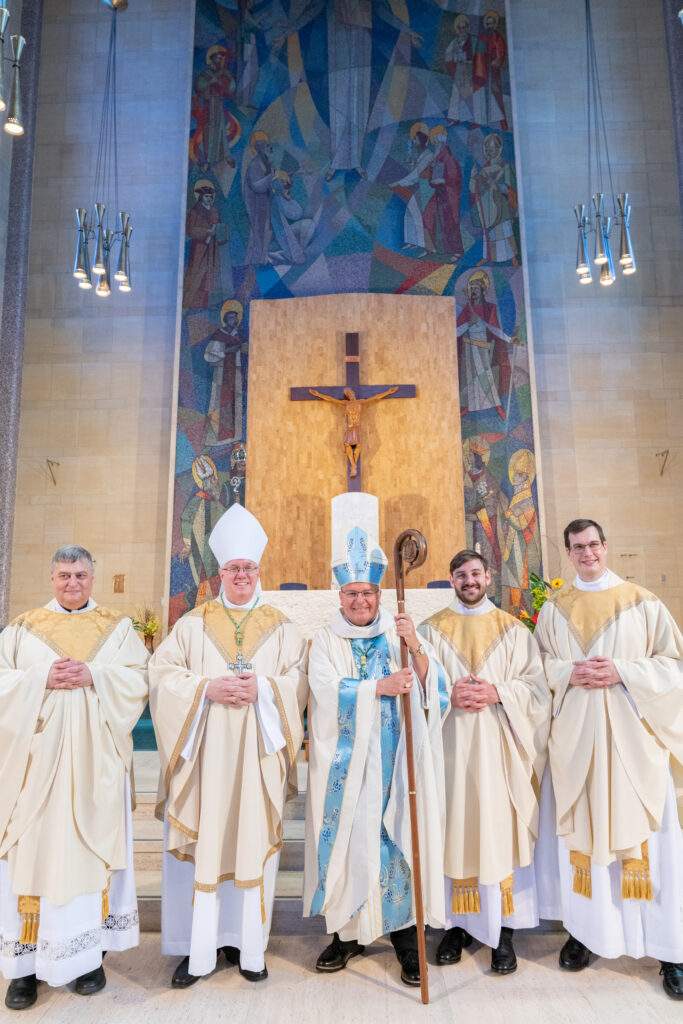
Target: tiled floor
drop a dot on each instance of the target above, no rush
(369, 990)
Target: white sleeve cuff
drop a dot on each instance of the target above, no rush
(268, 717)
(186, 752)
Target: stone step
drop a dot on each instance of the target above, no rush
(290, 884)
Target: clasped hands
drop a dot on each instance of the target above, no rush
(68, 674)
(235, 691)
(470, 693)
(594, 673)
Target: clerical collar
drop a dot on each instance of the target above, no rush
(382, 623)
(484, 606)
(243, 607)
(608, 580)
(55, 606)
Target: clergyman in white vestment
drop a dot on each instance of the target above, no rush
(495, 745)
(613, 657)
(227, 693)
(72, 686)
(358, 847)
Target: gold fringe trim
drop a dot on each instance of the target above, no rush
(465, 898)
(29, 909)
(636, 883)
(507, 901)
(581, 863)
(105, 903)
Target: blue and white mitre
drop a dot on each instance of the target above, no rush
(363, 561)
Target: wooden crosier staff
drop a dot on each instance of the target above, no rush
(410, 551)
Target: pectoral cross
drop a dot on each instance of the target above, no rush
(239, 665)
(353, 396)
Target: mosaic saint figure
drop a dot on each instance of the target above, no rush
(518, 523)
(459, 56)
(493, 192)
(358, 846)
(224, 354)
(203, 229)
(217, 129)
(292, 230)
(200, 515)
(442, 212)
(410, 185)
(484, 365)
(482, 500)
(258, 197)
(489, 59)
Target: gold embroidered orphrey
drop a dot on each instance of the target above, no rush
(589, 613)
(473, 637)
(71, 636)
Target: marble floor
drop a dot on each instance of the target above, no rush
(369, 990)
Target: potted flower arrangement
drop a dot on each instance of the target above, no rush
(540, 591)
(148, 625)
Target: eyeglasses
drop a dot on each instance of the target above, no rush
(352, 595)
(235, 570)
(593, 546)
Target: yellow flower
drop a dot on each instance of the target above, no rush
(557, 583)
(524, 614)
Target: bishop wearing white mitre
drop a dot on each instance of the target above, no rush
(72, 686)
(614, 660)
(227, 692)
(358, 843)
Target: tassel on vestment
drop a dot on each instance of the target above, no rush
(29, 911)
(636, 882)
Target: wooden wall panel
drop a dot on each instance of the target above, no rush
(411, 447)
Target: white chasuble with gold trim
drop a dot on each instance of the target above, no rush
(494, 761)
(616, 755)
(67, 888)
(223, 780)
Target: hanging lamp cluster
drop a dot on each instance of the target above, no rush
(94, 225)
(599, 221)
(13, 120)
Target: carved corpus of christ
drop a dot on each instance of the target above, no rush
(353, 408)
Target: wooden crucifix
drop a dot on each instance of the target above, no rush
(352, 395)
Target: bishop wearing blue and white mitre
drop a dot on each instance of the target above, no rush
(72, 686)
(227, 692)
(358, 845)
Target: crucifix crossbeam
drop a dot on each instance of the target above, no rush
(353, 396)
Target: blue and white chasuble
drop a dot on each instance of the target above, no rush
(358, 854)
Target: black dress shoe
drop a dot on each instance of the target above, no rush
(574, 956)
(181, 976)
(503, 959)
(451, 946)
(410, 966)
(22, 993)
(90, 983)
(232, 955)
(336, 956)
(673, 979)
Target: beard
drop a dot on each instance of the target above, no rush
(471, 596)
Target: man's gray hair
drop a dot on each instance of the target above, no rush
(72, 553)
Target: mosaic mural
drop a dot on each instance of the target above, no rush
(349, 146)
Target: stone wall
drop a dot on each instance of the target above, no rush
(609, 361)
(98, 373)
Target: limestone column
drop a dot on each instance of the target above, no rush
(15, 286)
(674, 43)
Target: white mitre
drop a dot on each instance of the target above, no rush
(238, 534)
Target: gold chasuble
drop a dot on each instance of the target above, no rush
(494, 758)
(614, 749)
(64, 755)
(224, 797)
